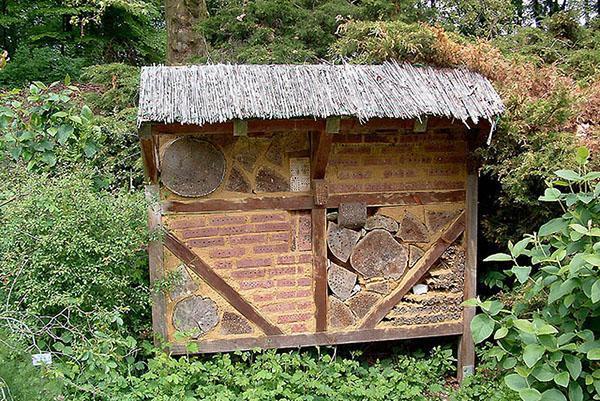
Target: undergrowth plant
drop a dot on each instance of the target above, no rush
(547, 335)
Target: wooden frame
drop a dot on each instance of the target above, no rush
(323, 135)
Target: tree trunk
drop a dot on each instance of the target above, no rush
(184, 41)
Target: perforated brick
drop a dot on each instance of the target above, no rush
(340, 316)
(233, 323)
(361, 303)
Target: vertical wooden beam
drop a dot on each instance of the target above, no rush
(319, 245)
(155, 260)
(149, 153)
(321, 147)
(466, 347)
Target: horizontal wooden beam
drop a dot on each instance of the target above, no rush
(306, 201)
(412, 277)
(198, 266)
(260, 126)
(324, 338)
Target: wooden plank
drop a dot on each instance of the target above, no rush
(149, 154)
(155, 261)
(319, 245)
(203, 270)
(378, 312)
(466, 347)
(305, 202)
(321, 147)
(324, 338)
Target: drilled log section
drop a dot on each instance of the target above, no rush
(320, 267)
(414, 274)
(306, 340)
(466, 348)
(149, 154)
(305, 202)
(155, 256)
(204, 271)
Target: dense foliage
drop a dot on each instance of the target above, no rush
(548, 334)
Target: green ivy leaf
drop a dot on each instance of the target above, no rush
(500, 333)
(562, 379)
(530, 394)
(515, 382)
(532, 354)
(544, 373)
(482, 327)
(553, 395)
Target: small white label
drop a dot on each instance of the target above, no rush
(300, 174)
(420, 289)
(41, 359)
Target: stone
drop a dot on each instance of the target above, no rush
(415, 254)
(361, 303)
(340, 316)
(192, 167)
(383, 222)
(237, 182)
(186, 287)
(195, 314)
(269, 180)
(437, 220)
(352, 215)
(411, 229)
(341, 281)
(341, 241)
(378, 254)
(380, 287)
(233, 323)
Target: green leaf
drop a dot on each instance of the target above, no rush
(529, 394)
(546, 329)
(532, 354)
(524, 326)
(515, 382)
(544, 373)
(553, 395)
(593, 259)
(498, 257)
(581, 154)
(568, 175)
(76, 119)
(521, 273)
(596, 291)
(60, 114)
(575, 392)
(519, 247)
(500, 333)
(64, 133)
(593, 354)
(49, 158)
(86, 113)
(550, 195)
(90, 149)
(562, 379)
(482, 327)
(553, 226)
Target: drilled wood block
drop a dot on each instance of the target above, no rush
(436, 220)
(341, 281)
(321, 191)
(352, 215)
(192, 167)
(340, 316)
(415, 254)
(186, 287)
(361, 303)
(383, 222)
(195, 313)
(412, 229)
(341, 241)
(233, 323)
(237, 181)
(269, 180)
(378, 254)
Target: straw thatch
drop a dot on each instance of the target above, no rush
(217, 93)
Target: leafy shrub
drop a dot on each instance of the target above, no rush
(486, 384)
(548, 334)
(65, 244)
(119, 86)
(44, 124)
(45, 64)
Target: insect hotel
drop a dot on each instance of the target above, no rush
(305, 205)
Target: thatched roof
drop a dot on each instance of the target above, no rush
(204, 94)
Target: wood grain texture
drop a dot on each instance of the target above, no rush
(466, 347)
(412, 276)
(313, 339)
(155, 260)
(319, 244)
(204, 271)
(321, 148)
(306, 202)
(149, 154)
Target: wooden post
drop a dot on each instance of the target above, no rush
(149, 153)
(155, 259)
(466, 347)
